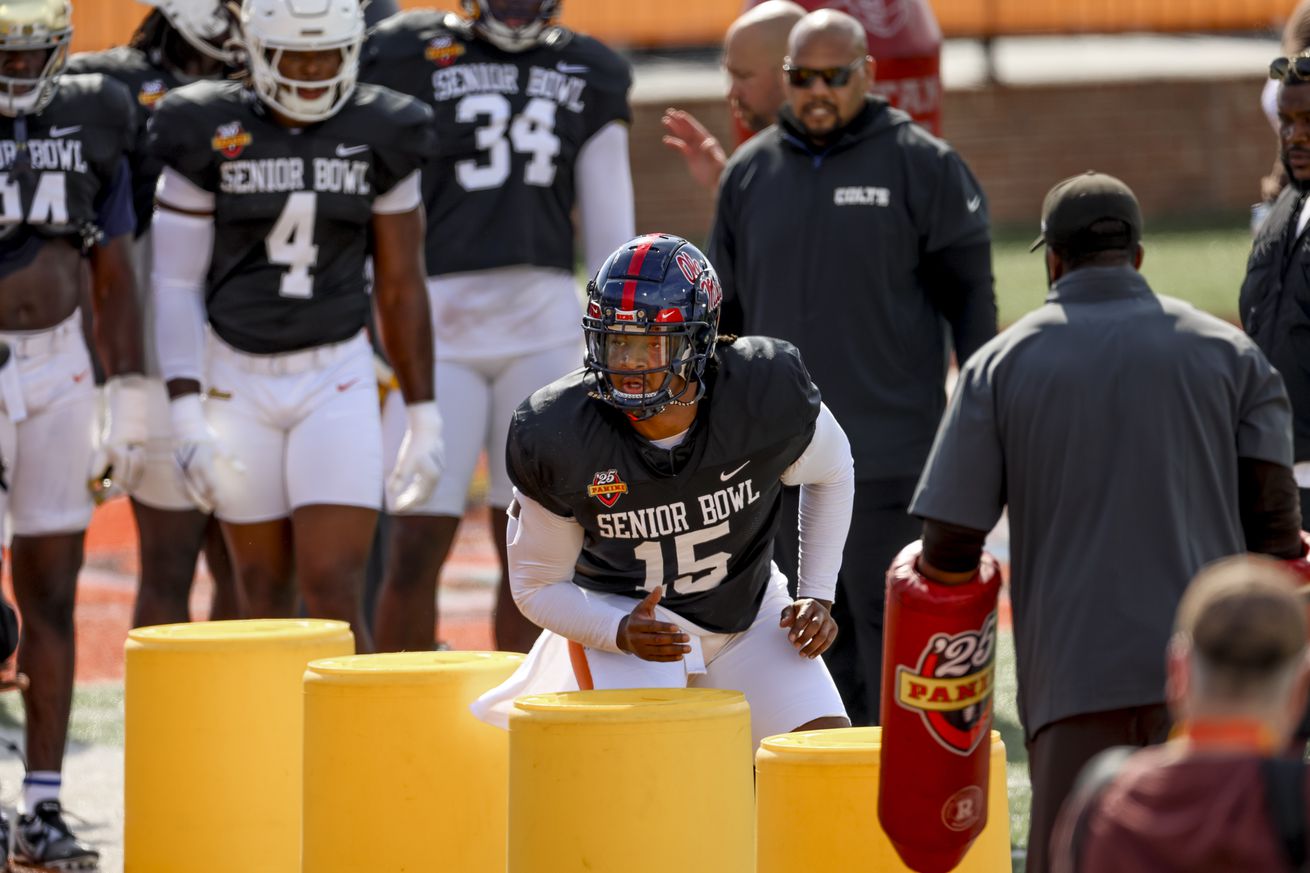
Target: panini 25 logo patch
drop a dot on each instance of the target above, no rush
(231, 139)
(607, 487)
(951, 686)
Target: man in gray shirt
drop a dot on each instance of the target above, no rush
(1133, 439)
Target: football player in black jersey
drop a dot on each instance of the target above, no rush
(531, 122)
(273, 194)
(648, 493)
(65, 195)
(179, 41)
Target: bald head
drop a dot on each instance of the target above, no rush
(831, 28)
(752, 55)
(831, 71)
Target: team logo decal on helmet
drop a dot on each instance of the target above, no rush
(271, 29)
(231, 139)
(512, 25)
(34, 26)
(607, 487)
(951, 688)
(652, 314)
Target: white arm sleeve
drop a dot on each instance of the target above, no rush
(183, 245)
(405, 195)
(826, 474)
(604, 184)
(543, 548)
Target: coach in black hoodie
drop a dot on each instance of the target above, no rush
(857, 235)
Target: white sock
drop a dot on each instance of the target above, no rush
(40, 785)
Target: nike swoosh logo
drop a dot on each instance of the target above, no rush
(82, 375)
(973, 203)
(343, 386)
(724, 477)
(57, 132)
(571, 69)
(345, 151)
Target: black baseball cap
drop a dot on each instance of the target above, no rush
(1075, 204)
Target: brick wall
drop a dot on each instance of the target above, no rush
(1188, 147)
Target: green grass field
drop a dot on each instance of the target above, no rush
(1201, 261)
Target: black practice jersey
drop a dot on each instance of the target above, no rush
(293, 207)
(148, 82)
(75, 153)
(500, 189)
(699, 519)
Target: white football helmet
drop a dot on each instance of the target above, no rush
(273, 28)
(34, 25)
(512, 25)
(202, 23)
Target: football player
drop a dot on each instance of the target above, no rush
(272, 192)
(648, 489)
(65, 196)
(178, 42)
(531, 122)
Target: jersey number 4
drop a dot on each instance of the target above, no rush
(290, 244)
(531, 132)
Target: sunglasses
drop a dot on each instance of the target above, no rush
(833, 77)
(1297, 68)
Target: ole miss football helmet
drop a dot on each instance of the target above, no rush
(651, 323)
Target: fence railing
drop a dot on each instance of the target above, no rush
(645, 23)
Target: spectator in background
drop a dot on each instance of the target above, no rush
(1237, 676)
(855, 234)
(1296, 39)
(752, 55)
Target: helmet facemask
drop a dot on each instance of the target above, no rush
(270, 37)
(39, 26)
(512, 25)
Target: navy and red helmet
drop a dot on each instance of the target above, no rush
(658, 286)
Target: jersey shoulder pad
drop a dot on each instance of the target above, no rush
(544, 430)
(390, 108)
(188, 119)
(399, 34)
(606, 68)
(96, 99)
(121, 62)
(769, 378)
(397, 122)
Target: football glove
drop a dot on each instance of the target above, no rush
(422, 457)
(196, 451)
(119, 460)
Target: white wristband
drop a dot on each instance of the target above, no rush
(424, 418)
(126, 401)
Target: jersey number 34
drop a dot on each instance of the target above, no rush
(531, 132)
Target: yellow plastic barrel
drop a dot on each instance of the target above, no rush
(390, 741)
(214, 743)
(826, 782)
(637, 781)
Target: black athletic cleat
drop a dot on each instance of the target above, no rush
(44, 844)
